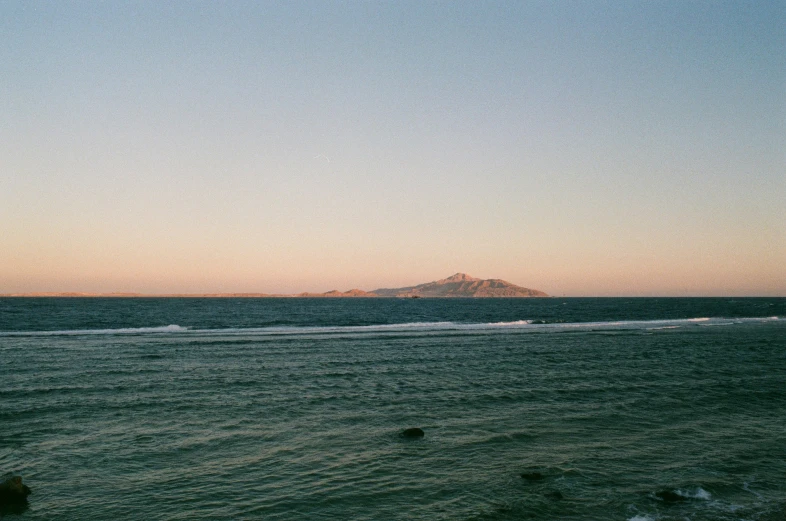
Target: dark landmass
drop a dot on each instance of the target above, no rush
(459, 285)
(462, 285)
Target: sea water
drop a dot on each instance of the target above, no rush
(289, 409)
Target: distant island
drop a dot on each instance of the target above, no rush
(462, 285)
(459, 285)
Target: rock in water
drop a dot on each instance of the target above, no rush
(532, 476)
(414, 432)
(13, 492)
(670, 497)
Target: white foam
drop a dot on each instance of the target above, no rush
(746, 486)
(406, 325)
(699, 493)
(171, 328)
(419, 327)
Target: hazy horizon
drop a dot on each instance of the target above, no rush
(578, 148)
(262, 292)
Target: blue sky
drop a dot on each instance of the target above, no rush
(581, 148)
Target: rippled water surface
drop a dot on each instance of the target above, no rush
(629, 409)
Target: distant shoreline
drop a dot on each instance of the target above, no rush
(459, 285)
(76, 295)
(224, 295)
(173, 295)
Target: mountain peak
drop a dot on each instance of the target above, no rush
(459, 277)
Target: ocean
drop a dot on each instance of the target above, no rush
(640, 409)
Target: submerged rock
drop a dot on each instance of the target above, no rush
(413, 432)
(532, 476)
(670, 496)
(13, 492)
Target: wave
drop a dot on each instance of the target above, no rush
(171, 328)
(515, 323)
(423, 327)
(699, 493)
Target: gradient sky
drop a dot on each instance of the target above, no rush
(580, 148)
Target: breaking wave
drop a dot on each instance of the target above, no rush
(699, 493)
(517, 325)
(171, 328)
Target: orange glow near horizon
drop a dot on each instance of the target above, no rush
(577, 151)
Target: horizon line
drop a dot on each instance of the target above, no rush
(329, 294)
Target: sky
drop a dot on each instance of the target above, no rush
(582, 148)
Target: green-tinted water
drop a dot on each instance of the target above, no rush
(292, 408)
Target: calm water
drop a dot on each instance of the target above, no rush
(291, 408)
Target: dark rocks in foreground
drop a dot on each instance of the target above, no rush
(13, 495)
(413, 432)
